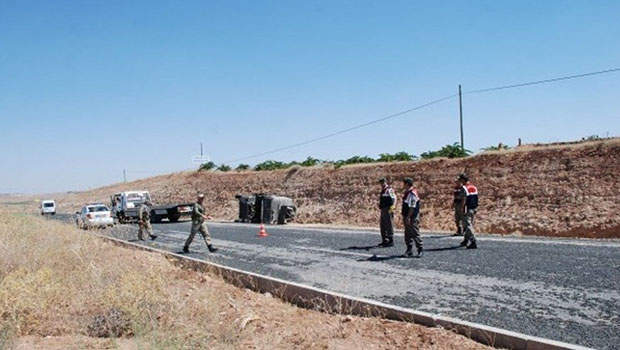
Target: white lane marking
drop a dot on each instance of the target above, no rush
(323, 250)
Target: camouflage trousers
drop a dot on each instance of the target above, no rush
(144, 229)
(458, 219)
(386, 225)
(468, 226)
(198, 227)
(412, 233)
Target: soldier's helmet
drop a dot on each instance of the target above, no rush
(463, 177)
(408, 181)
(382, 180)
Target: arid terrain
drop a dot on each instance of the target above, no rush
(58, 290)
(568, 190)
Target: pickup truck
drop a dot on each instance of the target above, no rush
(125, 206)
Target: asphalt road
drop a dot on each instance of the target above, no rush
(567, 290)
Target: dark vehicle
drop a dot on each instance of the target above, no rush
(125, 207)
(267, 209)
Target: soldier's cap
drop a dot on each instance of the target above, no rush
(382, 179)
(462, 176)
(408, 181)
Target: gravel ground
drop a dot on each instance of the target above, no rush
(561, 289)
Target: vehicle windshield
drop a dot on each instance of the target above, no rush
(97, 208)
(136, 197)
(48, 205)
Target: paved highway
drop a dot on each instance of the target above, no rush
(567, 290)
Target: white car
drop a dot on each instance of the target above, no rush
(94, 215)
(48, 207)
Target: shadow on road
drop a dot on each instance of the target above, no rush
(385, 258)
(442, 249)
(367, 248)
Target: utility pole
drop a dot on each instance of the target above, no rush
(124, 175)
(461, 117)
(201, 149)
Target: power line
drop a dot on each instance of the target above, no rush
(423, 106)
(346, 130)
(541, 81)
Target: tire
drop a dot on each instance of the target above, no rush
(174, 217)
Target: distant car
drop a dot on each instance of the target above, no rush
(48, 207)
(94, 215)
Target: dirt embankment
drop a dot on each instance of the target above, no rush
(556, 190)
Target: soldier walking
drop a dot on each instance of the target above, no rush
(387, 200)
(411, 218)
(199, 225)
(468, 207)
(144, 221)
(457, 206)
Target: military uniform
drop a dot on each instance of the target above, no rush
(411, 200)
(469, 209)
(198, 225)
(144, 222)
(387, 199)
(459, 199)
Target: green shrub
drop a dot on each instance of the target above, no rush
(311, 162)
(396, 157)
(242, 167)
(207, 166)
(271, 165)
(224, 168)
(448, 151)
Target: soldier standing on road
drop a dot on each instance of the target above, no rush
(468, 207)
(144, 221)
(457, 206)
(411, 218)
(387, 200)
(199, 225)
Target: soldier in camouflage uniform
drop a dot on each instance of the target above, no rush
(144, 221)
(411, 218)
(199, 225)
(387, 200)
(457, 206)
(469, 207)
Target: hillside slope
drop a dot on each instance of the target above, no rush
(559, 190)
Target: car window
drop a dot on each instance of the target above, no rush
(97, 208)
(48, 205)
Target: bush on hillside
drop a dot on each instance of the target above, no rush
(242, 167)
(353, 160)
(396, 157)
(207, 166)
(311, 162)
(271, 165)
(448, 151)
(224, 168)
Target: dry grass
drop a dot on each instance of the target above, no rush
(55, 279)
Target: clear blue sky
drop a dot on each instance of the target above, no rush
(88, 88)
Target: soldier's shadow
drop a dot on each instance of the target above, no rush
(385, 258)
(367, 248)
(442, 249)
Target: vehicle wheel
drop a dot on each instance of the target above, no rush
(174, 217)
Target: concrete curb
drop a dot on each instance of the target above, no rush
(323, 300)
